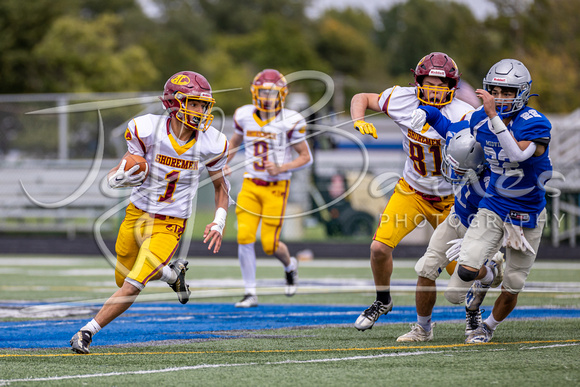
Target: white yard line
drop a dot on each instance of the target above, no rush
(202, 366)
(224, 365)
(553, 346)
(8, 261)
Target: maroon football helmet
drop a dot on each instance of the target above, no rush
(269, 90)
(436, 64)
(183, 87)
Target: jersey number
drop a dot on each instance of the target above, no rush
(418, 156)
(261, 153)
(506, 168)
(172, 179)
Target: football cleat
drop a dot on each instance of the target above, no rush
(368, 318)
(249, 301)
(179, 286)
(475, 295)
(81, 342)
(292, 280)
(472, 320)
(417, 334)
(483, 334)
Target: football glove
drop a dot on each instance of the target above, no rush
(122, 178)
(514, 238)
(418, 119)
(366, 128)
(452, 253)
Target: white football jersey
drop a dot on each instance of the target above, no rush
(268, 140)
(423, 148)
(174, 169)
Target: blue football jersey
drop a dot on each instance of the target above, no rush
(468, 198)
(470, 194)
(515, 191)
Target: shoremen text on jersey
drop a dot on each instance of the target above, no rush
(268, 140)
(175, 166)
(423, 166)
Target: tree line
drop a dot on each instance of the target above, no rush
(113, 45)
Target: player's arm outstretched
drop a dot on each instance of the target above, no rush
(435, 119)
(214, 231)
(358, 106)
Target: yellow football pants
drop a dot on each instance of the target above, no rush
(406, 210)
(262, 202)
(145, 244)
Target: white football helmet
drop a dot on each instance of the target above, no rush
(509, 73)
(461, 154)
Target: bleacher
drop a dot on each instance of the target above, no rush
(565, 155)
(63, 197)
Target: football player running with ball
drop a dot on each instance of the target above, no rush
(177, 146)
(422, 193)
(515, 139)
(269, 133)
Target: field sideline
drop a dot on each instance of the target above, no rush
(306, 340)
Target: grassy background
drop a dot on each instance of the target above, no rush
(528, 352)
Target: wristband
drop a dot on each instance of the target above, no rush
(497, 125)
(219, 220)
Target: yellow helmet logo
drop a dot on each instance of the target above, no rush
(180, 80)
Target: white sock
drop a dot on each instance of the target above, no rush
(491, 322)
(292, 266)
(488, 279)
(168, 275)
(424, 322)
(247, 258)
(92, 327)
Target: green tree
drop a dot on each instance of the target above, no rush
(418, 27)
(235, 17)
(22, 25)
(277, 43)
(92, 59)
(344, 48)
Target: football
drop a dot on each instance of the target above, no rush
(133, 160)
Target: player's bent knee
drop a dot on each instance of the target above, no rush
(423, 269)
(246, 239)
(119, 280)
(513, 282)
(454, 296)
(269, 247)
(466, 274)
(380, 251)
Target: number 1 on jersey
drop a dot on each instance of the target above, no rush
(172, 179)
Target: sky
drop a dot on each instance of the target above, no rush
(480, 8)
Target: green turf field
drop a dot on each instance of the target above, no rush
(532, 352)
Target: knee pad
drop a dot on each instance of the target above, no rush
(454, 296)
(465, 274)
(513, 282)
(427, 268)
(245, 237)
(269, 246)
(119, 279)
